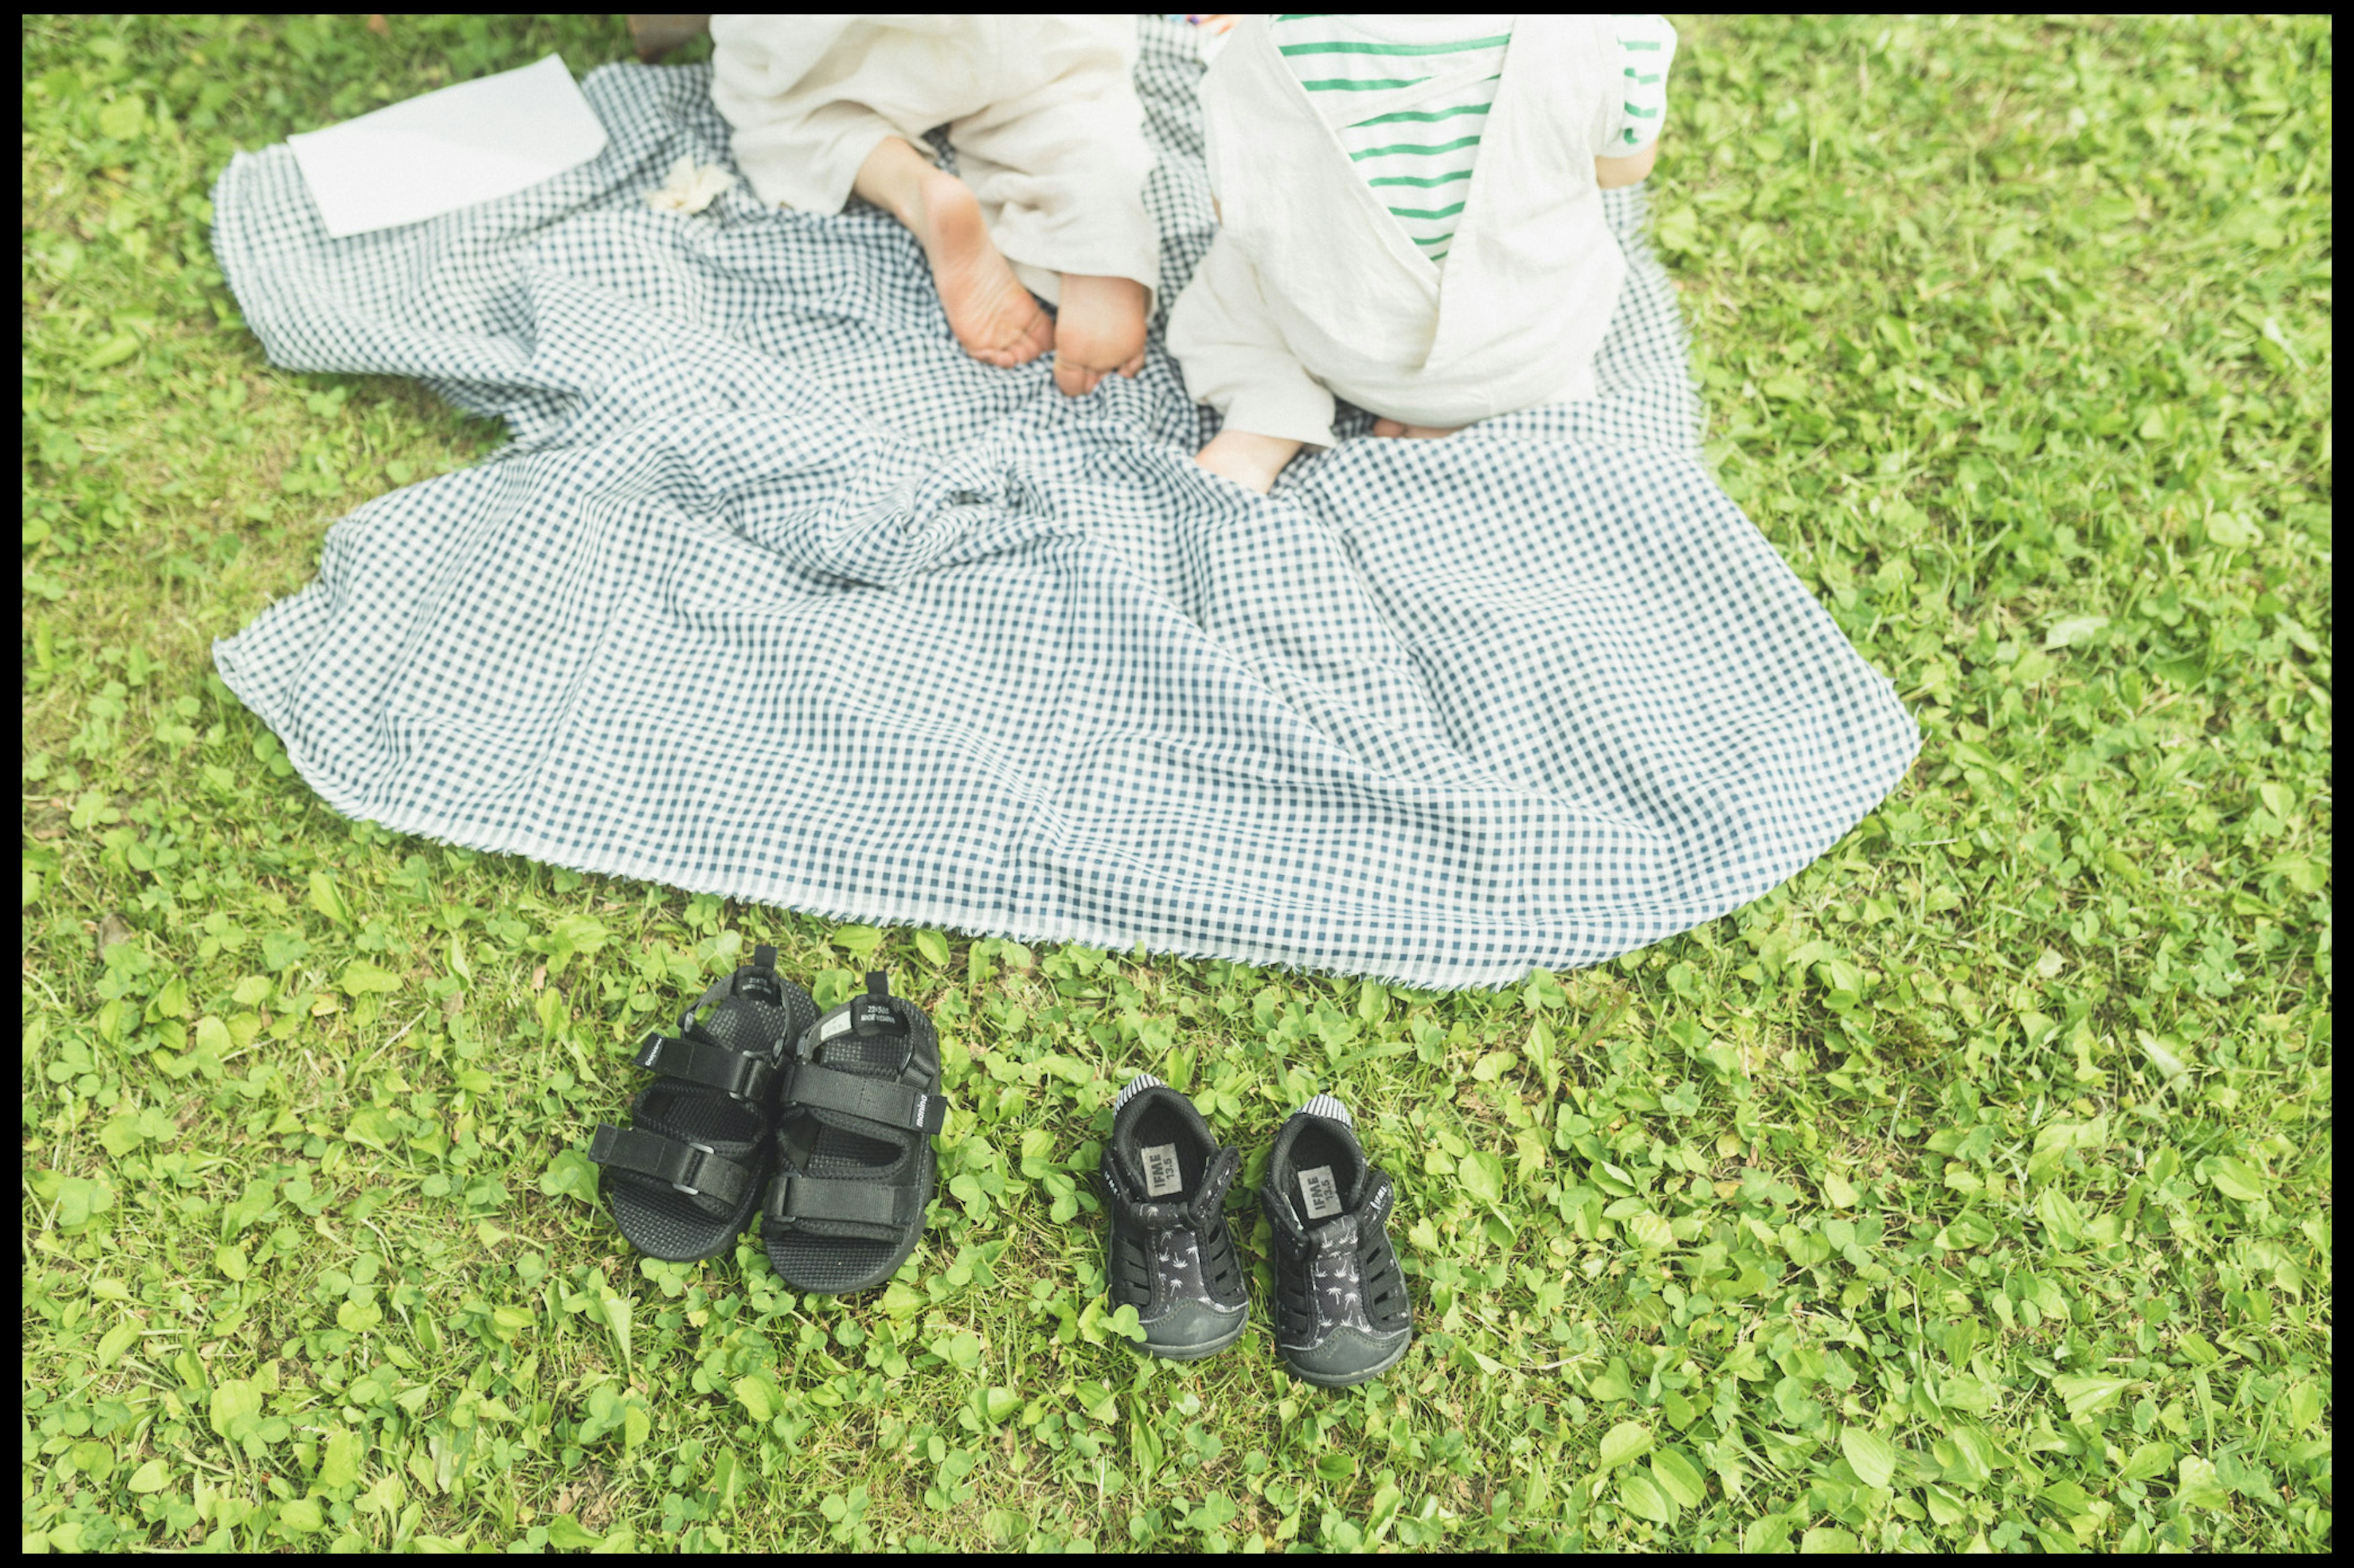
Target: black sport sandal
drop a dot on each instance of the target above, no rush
(1172, 1259)
(859, 1102)
(685, 1180)
(1342, 1314)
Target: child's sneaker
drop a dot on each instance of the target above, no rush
(1172, 1259)
(1341, 1312)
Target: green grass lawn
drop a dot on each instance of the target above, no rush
(1972, 1190)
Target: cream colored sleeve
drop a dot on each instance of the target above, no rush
(1227, 342)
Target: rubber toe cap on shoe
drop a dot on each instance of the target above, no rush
(1349, 1355)
(1191, 1330)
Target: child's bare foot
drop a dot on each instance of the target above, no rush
(988, 309)
(991, 313)
(1413, 432)
(1099, 329)
(1247, 459)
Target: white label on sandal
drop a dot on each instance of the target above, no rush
(1161, 1176)
(837, 1024)
(1323, 1197)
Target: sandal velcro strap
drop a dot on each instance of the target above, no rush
(793, 1197)
(714, 1066)
(883, 1101)
(690, 1168)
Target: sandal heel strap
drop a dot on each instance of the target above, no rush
(746, 1077)
(690, 1168)
(883, 1101)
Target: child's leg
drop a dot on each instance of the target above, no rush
(1235, 360)
(1059, 170)
(1247, 459)
(991, 313)
(1100, 317)
(824, 106)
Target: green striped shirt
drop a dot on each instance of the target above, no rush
(1419, 161)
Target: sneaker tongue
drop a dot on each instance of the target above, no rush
(1131, 1175)
(1362, 1194)
(1335, 1234)
(1338, 1233)
(1129, 1155)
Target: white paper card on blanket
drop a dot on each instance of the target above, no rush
(432, 154)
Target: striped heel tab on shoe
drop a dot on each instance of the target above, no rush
(1135, 1085)
(1326, 1106)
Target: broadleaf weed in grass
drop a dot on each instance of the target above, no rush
(1970, 1189)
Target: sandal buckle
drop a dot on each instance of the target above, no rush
(757, 1083)
(693, 1171)
(756, 1078)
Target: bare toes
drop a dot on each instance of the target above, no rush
(1038, 336)
(1027, 337)
(992, 314)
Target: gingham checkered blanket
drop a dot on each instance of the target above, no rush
(779, 595)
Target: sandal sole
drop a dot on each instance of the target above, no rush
(742, 1223)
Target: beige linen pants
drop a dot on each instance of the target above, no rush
(1042, 111)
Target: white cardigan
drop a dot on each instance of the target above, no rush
(1311, 288)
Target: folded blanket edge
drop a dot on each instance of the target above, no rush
(978, 921)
